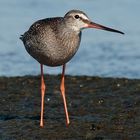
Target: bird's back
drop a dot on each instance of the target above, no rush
(38, 29)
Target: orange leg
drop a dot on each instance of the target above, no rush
(42, 96)
(62, 88)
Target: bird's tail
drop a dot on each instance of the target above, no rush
(21, 37)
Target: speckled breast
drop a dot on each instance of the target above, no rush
(51, 50)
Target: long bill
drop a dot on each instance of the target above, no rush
(98, 26)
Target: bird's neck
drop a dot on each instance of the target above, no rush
(68, 31)
(69, 37)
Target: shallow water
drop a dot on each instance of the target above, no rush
(101, 53)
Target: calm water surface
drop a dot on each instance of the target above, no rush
(101, 53)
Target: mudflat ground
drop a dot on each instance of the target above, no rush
(99, 109)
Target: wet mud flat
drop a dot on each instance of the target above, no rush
(99, 108)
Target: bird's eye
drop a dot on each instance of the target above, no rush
(76, 16)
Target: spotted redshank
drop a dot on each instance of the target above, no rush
(54, 41)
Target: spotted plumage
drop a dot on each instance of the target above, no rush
(48, 41)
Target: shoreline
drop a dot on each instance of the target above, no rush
(99, 108)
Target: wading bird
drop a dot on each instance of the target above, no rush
(54, 41)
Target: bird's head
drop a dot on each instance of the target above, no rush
(78, 20)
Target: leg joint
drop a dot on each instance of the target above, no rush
(62, 88)
(43, 87)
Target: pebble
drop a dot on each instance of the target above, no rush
(118, 85)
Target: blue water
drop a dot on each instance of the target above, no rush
(101, 53)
